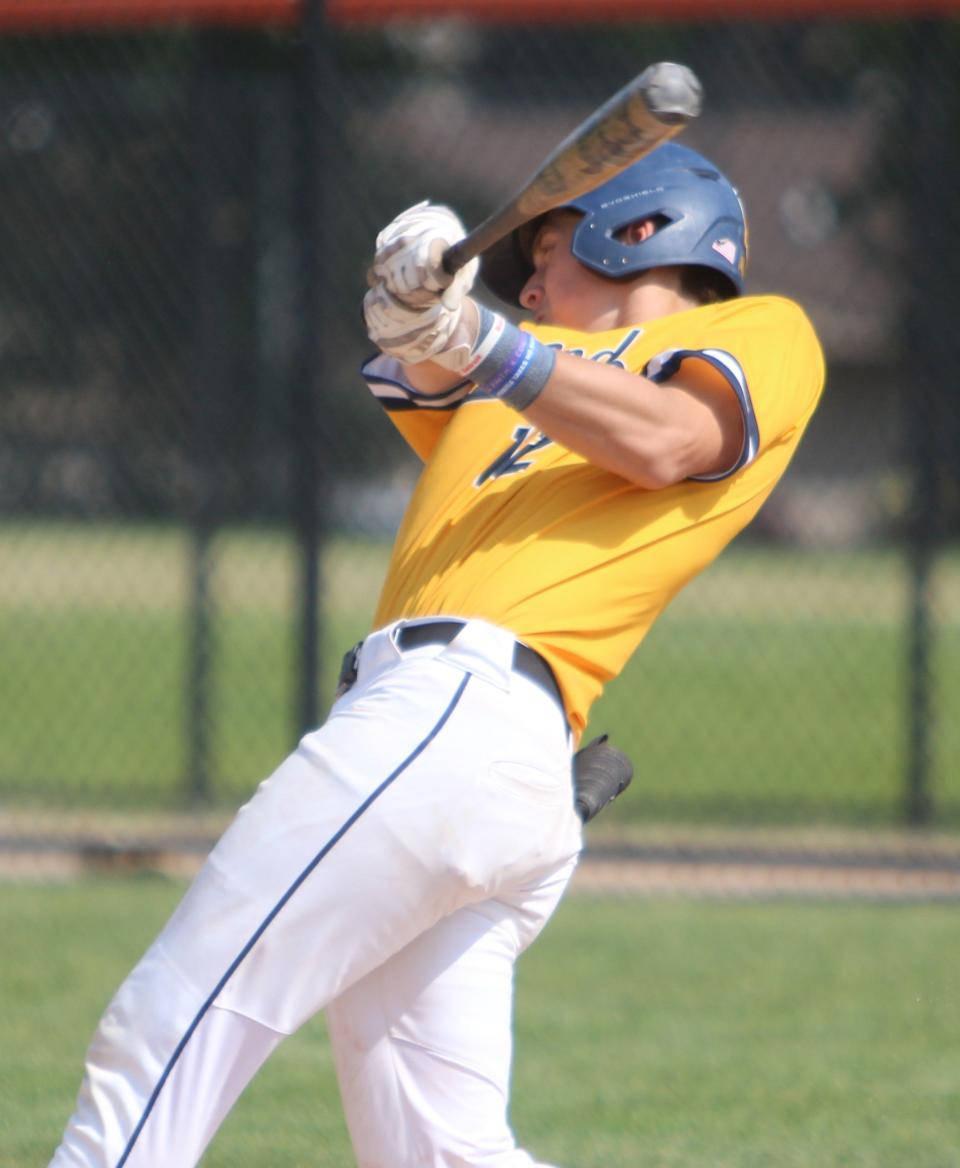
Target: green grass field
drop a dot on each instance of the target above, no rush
(668, 1034)
(774, 690)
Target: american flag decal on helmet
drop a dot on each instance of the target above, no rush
(726, 248)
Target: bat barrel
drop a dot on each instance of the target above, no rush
(650, 110)
(673, 92)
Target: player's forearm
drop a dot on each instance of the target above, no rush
(653, 435)
(429, 377)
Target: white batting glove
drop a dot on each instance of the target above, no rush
(409, 257)
(435, 333)
(469, 340)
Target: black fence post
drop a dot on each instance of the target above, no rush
(315, 84)
(930, 221)
(205, 384)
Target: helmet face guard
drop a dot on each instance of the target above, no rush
(697, 215)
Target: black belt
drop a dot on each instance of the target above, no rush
(525, 660)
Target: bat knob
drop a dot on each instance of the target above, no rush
(673, 93)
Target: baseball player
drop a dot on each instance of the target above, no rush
(578, 470)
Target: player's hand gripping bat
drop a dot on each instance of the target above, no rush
(653, 108)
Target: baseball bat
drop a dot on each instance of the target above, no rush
(651, 109)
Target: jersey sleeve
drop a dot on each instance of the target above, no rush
(665, 365)
(769, 355)
(419, 417)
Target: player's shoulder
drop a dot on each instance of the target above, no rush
(763, 316)
(770, 328)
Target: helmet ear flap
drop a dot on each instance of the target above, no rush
(508, 264)
(504, 268)
(525, 234)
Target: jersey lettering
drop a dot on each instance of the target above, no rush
(604, 356)
(612, 356)
(514, 458)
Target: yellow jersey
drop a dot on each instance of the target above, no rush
(510, 527)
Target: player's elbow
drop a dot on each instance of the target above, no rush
(653, 478)
(654, 468)
(668, 458)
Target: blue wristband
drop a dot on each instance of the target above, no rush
(518, 366)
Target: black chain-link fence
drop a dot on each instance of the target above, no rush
(197, 494)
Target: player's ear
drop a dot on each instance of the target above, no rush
(637, 231)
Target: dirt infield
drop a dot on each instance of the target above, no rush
(756, 877)
(892, 866)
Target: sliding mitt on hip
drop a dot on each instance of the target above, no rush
(600, 774)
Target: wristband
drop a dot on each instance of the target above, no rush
(508, 363)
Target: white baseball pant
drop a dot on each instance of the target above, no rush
(391, 870)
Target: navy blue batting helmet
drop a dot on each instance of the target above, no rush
(697, 214)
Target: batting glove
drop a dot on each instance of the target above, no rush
(412, 335)
(469, 340)
(409, 258)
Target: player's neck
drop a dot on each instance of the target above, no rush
(657, 295)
